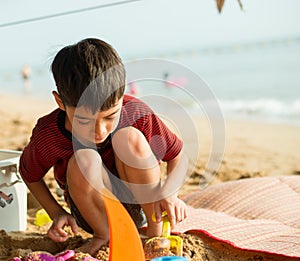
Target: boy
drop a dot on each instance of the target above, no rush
(99, 137)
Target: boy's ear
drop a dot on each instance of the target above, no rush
(58, 101)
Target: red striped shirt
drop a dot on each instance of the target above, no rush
(51, 144)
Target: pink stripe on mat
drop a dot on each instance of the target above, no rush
(258, 214)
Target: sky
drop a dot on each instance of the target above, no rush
(141, 28)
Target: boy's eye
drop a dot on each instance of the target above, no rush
(83, 122)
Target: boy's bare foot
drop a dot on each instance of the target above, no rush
(93, 245)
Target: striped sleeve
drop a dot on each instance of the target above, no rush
(47, 148)
(33, 165)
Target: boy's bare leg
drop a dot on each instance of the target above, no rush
(85, 190)
(136, 164)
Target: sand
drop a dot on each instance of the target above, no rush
(253, 149)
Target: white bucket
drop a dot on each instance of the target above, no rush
(13, 193)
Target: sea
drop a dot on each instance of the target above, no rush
(257, 81)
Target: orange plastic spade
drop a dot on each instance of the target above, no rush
(125, 243)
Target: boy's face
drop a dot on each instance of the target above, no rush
(91, 128)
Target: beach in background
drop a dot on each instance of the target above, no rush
(253, 85)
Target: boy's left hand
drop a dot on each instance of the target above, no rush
(56, 232)
(175, 208)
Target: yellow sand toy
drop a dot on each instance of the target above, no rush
(166, 245)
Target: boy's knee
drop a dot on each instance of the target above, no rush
(131, 140)
(132, 148)
(82, 166)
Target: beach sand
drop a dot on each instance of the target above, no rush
(253, 149)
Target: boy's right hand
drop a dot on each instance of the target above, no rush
(56, 232)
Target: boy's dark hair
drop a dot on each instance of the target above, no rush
(89, 73)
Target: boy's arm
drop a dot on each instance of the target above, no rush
(42, 194)
(56, 212)
(175, 207)
(171, 165)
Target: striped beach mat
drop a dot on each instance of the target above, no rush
(257, 214)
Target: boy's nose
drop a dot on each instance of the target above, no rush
(100, 129)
